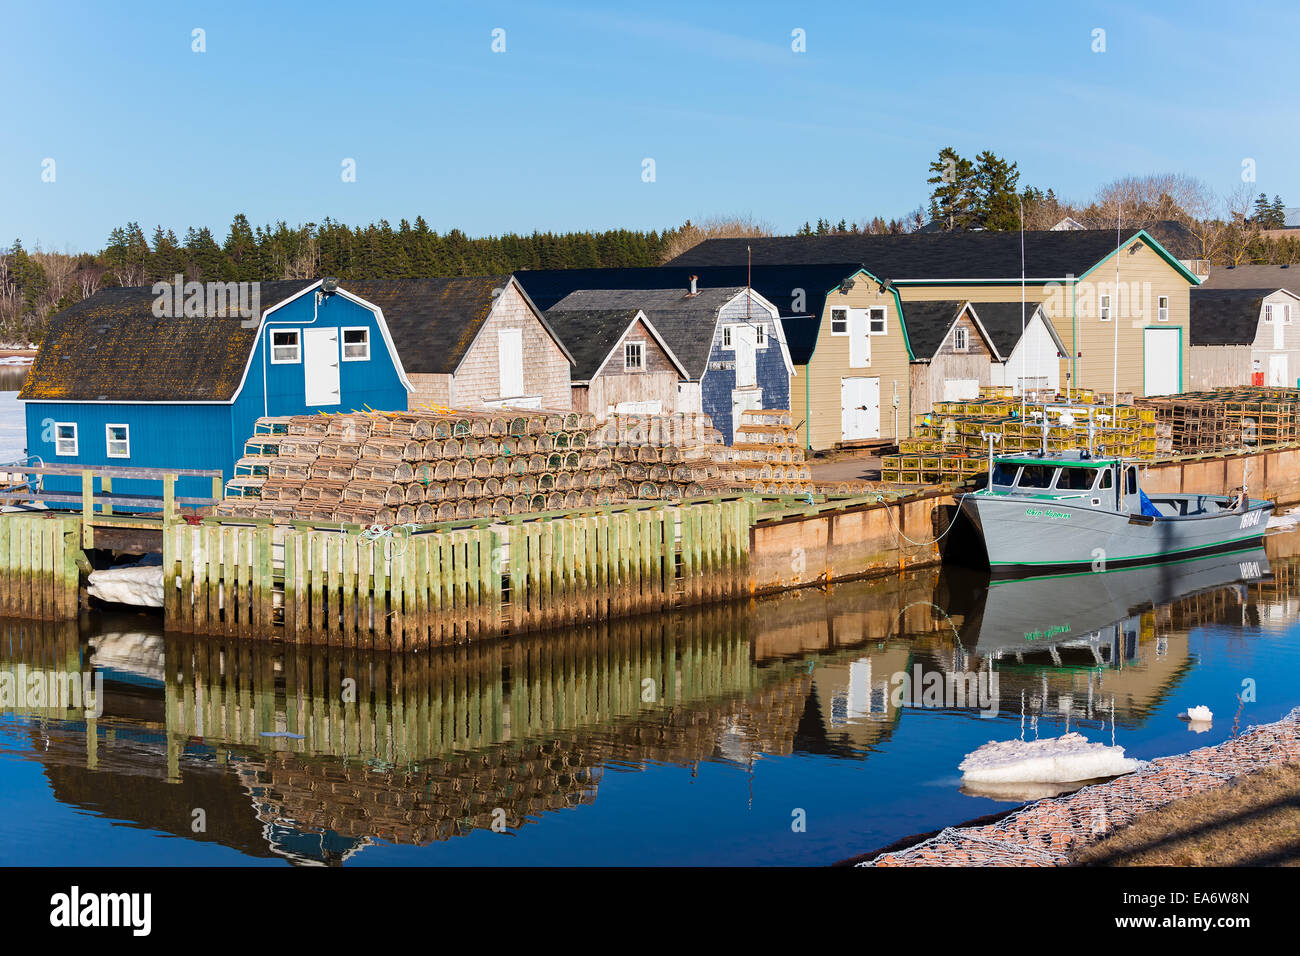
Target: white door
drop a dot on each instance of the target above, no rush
(1277, 371)
(743, 399)
(1162, 356)
(744, 340)
(510, 351)
(859, 339)
(320, 361)
(860, 408)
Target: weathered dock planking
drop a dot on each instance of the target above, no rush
(39, 571)
(411, 587)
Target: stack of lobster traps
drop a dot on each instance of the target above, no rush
(1229, 417)
(423, 467)
(951, 443)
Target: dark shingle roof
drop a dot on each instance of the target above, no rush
(1002, 321)
(433, 321)
(956, 255)
(686, 323)
(111, 347)
(589, 334)
(779, 284)
(1225, 316)
(1254, 277)
(927, 321)
(801, 337)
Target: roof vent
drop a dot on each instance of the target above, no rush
(694, 290)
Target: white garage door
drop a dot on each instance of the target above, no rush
(1162, 360)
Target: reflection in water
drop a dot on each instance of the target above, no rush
(314, 754)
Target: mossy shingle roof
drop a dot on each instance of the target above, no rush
(111, 347)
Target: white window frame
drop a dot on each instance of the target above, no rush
(960, 339)
(109, 440)
(845, 320)
(58, 440)
(728, 341)
(297, 347)
(343, 343)
(760, 336)
(1162, 308)
(884, 320)
(1103, 306)
(639, 345)
(1286, 313)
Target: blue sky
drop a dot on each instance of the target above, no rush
(552, 133)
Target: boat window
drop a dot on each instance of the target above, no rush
(1004, 474)
(1076, 479)
(1107, 480)
(1036, 476)
(1131, 482)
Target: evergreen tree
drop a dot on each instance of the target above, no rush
(953, 198)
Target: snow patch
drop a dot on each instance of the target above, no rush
(1050, 760)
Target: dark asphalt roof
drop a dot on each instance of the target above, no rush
(801, 337)
(795, 290)
(954, 255)
(1002, 321)
(433, 321)
(1254, 277)
(111, 347)
(1226, 316)
(927, 322)
(590, 334)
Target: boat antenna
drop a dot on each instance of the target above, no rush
(1024, 385)
(1114, 318)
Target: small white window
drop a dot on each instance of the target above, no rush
(1286, 313)
(285, 347)
(760, 336)
(356, 345)
(877, 323)
(65, 439)
(1105, 308)
(839, 321)
(726, 337)
(118, 439)
(634, 356)
(1162, 308)
(959, 339)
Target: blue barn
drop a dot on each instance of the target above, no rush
(123, 378)
(729, 341)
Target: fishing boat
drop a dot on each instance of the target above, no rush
(1061, 512)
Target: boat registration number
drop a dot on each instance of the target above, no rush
(1250, 519)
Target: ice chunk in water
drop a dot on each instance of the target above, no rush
(1050, 760)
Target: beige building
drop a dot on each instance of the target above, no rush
(472, 341)
(854, 383)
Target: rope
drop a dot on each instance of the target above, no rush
(379, 532)
(899, 531)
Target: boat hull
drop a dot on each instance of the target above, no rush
(1024, 536)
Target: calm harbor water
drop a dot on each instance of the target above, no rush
(692, 738)
(13, 437)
